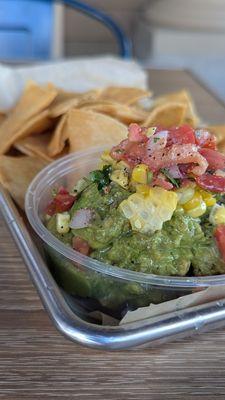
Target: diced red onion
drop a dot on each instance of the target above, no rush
(81, 218)
(175, 172)
(157, 141)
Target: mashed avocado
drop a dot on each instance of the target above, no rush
(183, 245)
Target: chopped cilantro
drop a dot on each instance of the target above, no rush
(155, 139)
(101, 177)
(175, 182)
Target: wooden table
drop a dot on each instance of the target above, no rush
(36, 362)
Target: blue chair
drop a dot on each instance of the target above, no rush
(26, 28)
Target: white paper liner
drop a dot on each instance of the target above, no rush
(78, 75)
(190, 300)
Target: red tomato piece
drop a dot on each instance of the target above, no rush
(81, 245)
(220, 239)
(63, 202)
(215, 159)
(135, 134)
(213, 183)
(51, 209)
(62, 190)
(181, 135)
(162, 182)
(205, 139)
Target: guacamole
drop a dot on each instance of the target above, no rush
(155, 205)
(183, 245)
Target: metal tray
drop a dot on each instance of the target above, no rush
(72, 322)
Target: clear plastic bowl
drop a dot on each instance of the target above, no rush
(111, 287)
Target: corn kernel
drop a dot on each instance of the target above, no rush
(62, 222)
(207, 197)
(197, 211)
(194, 202)
(143, 189)
(140, 173)
(120, 177)
(185, 194)
(210, 201)
(150, 131)
(123, 166)
(217, 215)
(107, 159)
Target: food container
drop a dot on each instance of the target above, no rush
(104, 287)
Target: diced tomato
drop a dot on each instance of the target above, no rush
(181, 135)
(51, 208)
(205, 139)
(118, 151)
(63, 202)
(213, 183)
(62, 190)
(162, 182)
(220, 239)
(215, 159)
(177, 154)
(81, 245)
(136, 134)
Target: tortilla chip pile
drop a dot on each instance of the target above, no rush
(48, 123)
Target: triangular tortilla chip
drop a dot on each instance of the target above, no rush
(124, 95)
(182, 96)
(16, 173)
(166, 115)
(91, 129)
(35, 145)
(38, 124)
(32, 102)
(218, 131)
(122, 112)
(2, 117)
(65, 101)
(59, 137)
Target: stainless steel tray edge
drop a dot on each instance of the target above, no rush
(145, 332)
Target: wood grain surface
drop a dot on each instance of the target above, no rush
(36, 362)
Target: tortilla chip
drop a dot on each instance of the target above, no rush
(38, 124)
(218, 131)
(122, 112)
(32, 102)
(35, 145)
(59, 137)
(65, 101)
(124, 95)
(182, 96)
(91, 129)
(166, 115)
(2, 117)
(16, 173)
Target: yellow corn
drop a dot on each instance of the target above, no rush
(140, 174)
(120, 177)
(185, 194)
(217, 215)
(123, 166)
(207, 197)
(194, 202)
(150, 131)
(197, 211)
(107, 159)
(143, 189)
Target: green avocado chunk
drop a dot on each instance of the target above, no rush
(92, 198)
(166, 252)
(66, 238)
